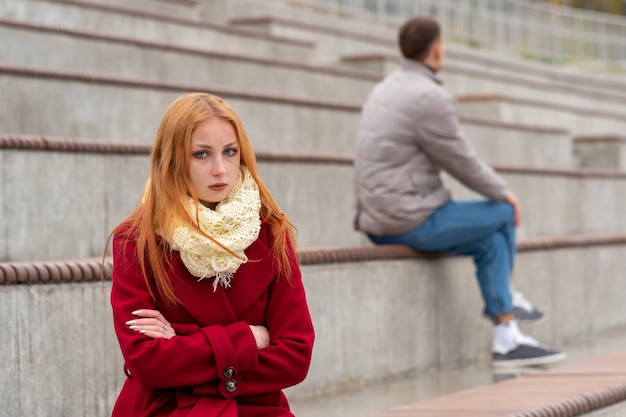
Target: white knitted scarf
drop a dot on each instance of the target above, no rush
(235, 223)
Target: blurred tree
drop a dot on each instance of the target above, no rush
(606, 6)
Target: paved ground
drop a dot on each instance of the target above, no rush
(370, 400)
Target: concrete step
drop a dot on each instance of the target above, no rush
(580, 121)
(380, 314)
(562, 201)
(43, 45)
(462, 77)
(99, 183)
(523, 144)
(331, 40)
(95, 188)
(132, 19)
(188, 9)
(499, 65)
(99, 105)
(601, 151)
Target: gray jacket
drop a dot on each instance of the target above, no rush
(409, 132)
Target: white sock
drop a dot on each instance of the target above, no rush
(505, 337)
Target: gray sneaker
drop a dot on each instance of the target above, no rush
(526, 355)
(523, 309)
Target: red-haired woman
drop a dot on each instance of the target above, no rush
(208, 303)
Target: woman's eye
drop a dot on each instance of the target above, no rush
(230, 151)
(200, 154)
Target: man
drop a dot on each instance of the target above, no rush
(409, 133)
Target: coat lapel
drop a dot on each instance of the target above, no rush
(204, 306)
(226, 305)
(252, 278)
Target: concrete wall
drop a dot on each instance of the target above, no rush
(60, 357)
(65, 207)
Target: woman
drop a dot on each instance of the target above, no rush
(208, 303)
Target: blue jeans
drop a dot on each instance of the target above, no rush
(481, 229)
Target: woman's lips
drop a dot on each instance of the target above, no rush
(218, 187)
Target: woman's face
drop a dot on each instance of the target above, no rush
(215, 160)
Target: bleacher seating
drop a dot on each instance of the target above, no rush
(84, 84)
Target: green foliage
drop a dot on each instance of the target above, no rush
(605, 6)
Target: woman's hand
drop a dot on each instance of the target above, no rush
(153, 324)
(261, 335)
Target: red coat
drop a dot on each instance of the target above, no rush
(212, 367)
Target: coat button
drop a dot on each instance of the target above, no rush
(231, 385)
(229, 372)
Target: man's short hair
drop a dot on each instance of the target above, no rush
(417, 36)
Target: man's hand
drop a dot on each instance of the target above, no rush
(517, 211)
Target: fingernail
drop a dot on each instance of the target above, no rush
(133, 327)
(143, 331)
(136, 312)
(131, 322)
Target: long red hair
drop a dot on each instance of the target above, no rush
(162, 203)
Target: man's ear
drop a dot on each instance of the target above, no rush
(437, 54)
(437, 50)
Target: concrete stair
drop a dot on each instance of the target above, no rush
(276, 122)
(28, 44)
(314, 190)
(601, 151)
(578, 120)
(134, 19)
(494, 76)
(105, 102)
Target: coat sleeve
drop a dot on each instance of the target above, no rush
(197, 358)
(285, 362)
(442, 140)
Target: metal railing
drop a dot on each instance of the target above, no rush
(530, 29)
